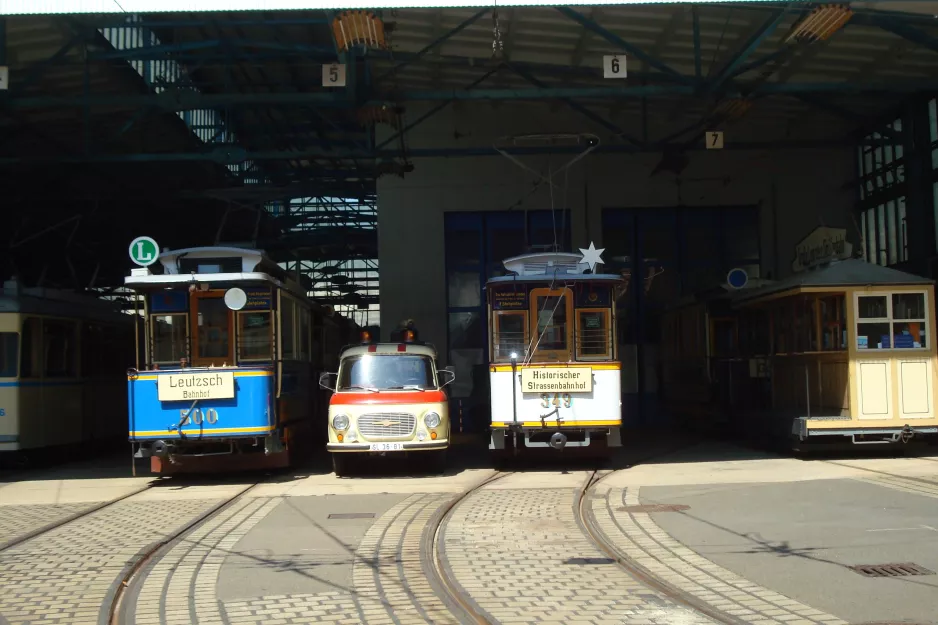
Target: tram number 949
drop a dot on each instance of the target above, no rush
(196, 417)
(556, 399)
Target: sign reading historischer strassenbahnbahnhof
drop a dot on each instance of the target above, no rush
(59, 7)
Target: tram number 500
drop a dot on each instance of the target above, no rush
(195, 417)
(548, 400)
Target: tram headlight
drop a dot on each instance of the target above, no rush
(340, 422)
(432, 419)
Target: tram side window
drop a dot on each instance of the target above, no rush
(31, 354)
(287, 330)
(9, 344)
(593, 334)
(304, 332)
(169, 338)
(510, 334)
(60, 349)
(255, 335)
(833, 323)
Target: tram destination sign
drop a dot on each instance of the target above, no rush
(557, 380)
(191, 386)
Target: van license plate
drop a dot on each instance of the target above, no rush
(387, 446)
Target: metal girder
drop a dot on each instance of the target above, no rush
(183, 100)
(896, 27)
(747, 49)
(390, 154)
(620, 42)
(465, 24)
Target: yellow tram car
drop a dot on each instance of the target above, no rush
(840, 354)
(555, 373)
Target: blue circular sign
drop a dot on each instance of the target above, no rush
(737, 278)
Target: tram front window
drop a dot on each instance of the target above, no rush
(551, 323)
(169, 338)
(254, 336)
(213, 328)
(386, 373)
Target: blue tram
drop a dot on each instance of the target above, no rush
(231, 349)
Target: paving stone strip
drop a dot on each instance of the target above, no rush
(65, 575)
(522, 558)
(926, 488)
(638, 537)
(18, 520)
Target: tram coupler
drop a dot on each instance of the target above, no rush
(558, 440)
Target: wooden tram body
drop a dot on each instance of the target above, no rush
(843, 353)
(266, 355)
(62, 361)
(555, 374)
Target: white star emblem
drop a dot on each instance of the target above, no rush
(592, 256)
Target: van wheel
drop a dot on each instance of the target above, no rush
(340, 464)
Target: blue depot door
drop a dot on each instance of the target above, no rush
(670, 253)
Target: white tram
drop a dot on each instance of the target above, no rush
(553, 363)
(63, 358)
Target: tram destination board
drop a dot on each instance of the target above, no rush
(557, 380)
(201, 385)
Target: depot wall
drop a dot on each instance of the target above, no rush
(797, 190)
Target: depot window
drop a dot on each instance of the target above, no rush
(511, 334)
(169, 337)
(892, 321)
(255, 336)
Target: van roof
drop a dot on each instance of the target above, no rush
(390, 349)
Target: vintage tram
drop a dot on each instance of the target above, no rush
(555, 374)
(232, 352)
(841, 354)
(63, 356)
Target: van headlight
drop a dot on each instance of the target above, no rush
(340, 422)
(432, 419)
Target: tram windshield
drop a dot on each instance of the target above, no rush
(382, 372)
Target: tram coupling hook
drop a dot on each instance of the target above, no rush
(906, 434)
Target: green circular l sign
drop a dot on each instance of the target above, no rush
(144, 251)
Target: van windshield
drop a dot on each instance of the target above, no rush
(386, 372)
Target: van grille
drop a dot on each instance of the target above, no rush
(373, 425)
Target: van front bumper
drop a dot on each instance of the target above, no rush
(408, 446)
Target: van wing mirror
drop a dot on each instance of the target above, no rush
(448, 376)
(327, 381)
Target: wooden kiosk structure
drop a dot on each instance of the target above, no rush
(844, 351)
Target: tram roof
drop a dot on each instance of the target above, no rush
(852, 272)
(58, 303)
(558, 278)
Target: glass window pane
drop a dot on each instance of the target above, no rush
(908, 306)
(255, 336)
(464, 289)
(287, 313)
(9, 348)
(551, 323)
(30, 354)
(169, 338)
(933, 119)
(60, 348)
(873, 336)
(871, 242)
(903, 230)
(510, 334)
(872, 307)
(891, 226)
(881, 231)
(386, 372)
(466, 331)
(594, 339)
(470, 373)
(463, 246)
(303, 313)
(909, 335)
(863, 235)
(213, 328)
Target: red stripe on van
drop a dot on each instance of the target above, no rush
(388, 397)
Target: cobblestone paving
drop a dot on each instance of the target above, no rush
(64, 576)
(15, 521)
(523, 559)
(390, 584)
(638, 537)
